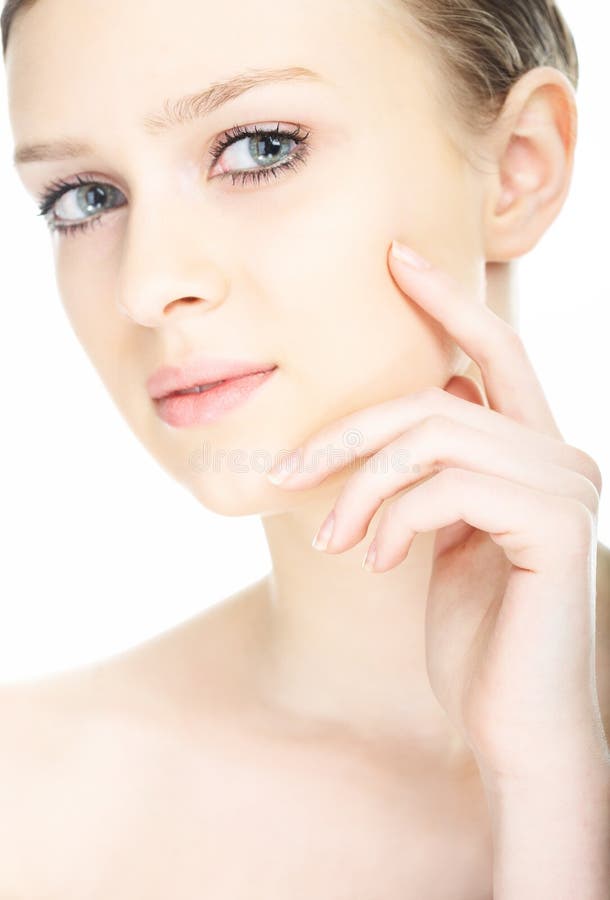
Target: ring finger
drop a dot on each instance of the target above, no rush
(433, 444)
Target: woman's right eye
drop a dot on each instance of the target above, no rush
(82, 196)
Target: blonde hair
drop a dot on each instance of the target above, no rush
(483, 47)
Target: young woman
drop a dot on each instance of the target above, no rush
(436, 726)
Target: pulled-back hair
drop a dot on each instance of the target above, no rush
(482, 46)
(10, 10)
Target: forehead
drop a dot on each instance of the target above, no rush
(73, 63)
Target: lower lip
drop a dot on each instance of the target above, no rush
(186, 410)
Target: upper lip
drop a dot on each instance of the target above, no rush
(201, 370)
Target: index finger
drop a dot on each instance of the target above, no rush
(510, 381)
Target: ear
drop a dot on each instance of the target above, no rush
(532, 148)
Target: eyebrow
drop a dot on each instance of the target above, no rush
(173, 112)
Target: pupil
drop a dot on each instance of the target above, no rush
(94, 195)
(269, 145)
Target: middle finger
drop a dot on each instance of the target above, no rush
(431, 445)
(332, 447)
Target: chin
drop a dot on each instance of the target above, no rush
(236, 494)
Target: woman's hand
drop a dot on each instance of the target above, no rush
(510, 619)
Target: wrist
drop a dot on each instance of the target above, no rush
(582, 760)
(551, 837)
(564, 786)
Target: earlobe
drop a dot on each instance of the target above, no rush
(536, 141)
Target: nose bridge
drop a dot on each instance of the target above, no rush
(167, 263)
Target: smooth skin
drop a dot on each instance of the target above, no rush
(289, 742)
(501, 469)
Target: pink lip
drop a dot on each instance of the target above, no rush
(199, 371)
(187, 410)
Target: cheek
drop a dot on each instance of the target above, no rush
(104, 334)
(350, 336)
(81, 296)
(382, 348)
(438, 209)
(85, 277)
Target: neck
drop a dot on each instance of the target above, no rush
(346, 646)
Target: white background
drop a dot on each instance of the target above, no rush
(101, 549)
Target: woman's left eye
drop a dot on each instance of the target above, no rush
(260, 145)
(268, 149)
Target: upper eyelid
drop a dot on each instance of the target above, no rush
(264, 125)
(298, 132)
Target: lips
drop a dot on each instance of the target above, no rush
(210, 407)
(201, 372)
(200, 389)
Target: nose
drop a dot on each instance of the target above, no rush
(165, 279)
(160, 298)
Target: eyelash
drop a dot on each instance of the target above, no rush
(54, 191)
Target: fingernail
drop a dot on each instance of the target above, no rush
(369, 560)
(408, 256)
(286, 468)
(322, 538)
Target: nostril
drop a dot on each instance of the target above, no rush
(184, 300)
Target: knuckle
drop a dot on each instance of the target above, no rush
(357, 481)
(511, 341)
(353, 501)
(512, 337)
(578, 521)
(434, 423)
(589, 495)
(434, 430)
(451, 475)
(431, 397)
(389, 517)
(589, 468)
(507, 340)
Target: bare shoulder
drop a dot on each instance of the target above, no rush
(42, 725)
(44, 719)
(83, 750)
(73, 763)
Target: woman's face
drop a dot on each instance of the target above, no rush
(291, 271)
